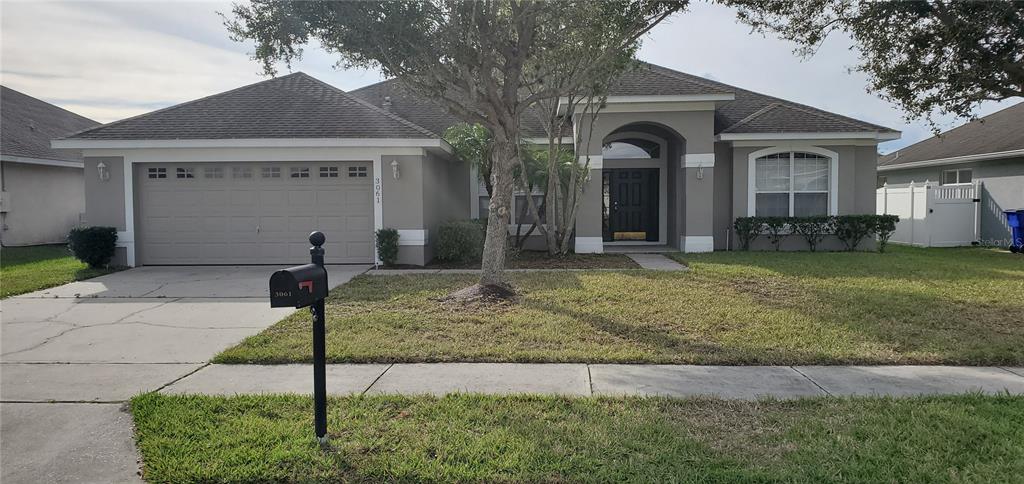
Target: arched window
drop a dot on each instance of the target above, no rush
(792, 184)
(631, 148)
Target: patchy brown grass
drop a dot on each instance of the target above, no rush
(907, 306)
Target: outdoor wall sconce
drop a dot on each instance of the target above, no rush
(700, 171)
(102, 171)
(394, 169)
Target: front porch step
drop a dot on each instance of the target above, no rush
(638, 249)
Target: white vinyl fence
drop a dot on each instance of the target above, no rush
(932, 215)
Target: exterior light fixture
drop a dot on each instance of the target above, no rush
(700, 171)
(394, 169)
(102, 171)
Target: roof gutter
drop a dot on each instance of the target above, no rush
(869, 135)
(427, 143)
(42, 161)
(953, 160)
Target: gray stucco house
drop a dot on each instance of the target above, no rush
(42, 195)
(988, 151)
(242, 176)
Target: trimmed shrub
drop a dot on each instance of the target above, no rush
(460, 241)
(883, 227)
(387, 246)
(746, 229)
(813, 229)
(773, 228)
(851, 229)
(93, 245)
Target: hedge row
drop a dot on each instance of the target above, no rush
(849, 229)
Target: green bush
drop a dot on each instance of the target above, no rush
(460, 241)
(746, 229)
(852, 229)
(883, 227)
(387, 246)
(774, 227)
(93, 245)
(813, 229)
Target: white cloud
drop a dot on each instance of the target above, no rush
(110, 60)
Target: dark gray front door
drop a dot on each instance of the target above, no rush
(630, 204)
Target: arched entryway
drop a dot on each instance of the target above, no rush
(640, 194)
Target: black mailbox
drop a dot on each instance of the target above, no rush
(298, 286)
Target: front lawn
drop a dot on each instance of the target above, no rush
(546, 439)
(533, 259)
(908, 306)
(27, 269)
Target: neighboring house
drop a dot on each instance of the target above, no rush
(242, 176)
(989, 150)
(42, 195)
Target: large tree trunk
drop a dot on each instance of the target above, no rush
(504, 158)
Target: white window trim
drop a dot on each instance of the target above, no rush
(833, 175)
(959, 183)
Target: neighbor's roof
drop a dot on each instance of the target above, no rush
(750, 112)
(996, 133)
(28, 124)
(292, 106)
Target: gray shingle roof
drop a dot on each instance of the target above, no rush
(997, 132)
(28, 124)
(652, 80)
(750, 112)
(292, 106)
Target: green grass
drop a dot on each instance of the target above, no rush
(907, 306)
(968, 438)
(27, 269)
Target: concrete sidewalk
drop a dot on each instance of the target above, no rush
(71, 355)
(731, 382)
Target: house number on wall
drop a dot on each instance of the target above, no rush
(376, 189)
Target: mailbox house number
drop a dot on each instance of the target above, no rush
(282, 294)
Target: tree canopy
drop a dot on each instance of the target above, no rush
(486, 61)
(936, 56)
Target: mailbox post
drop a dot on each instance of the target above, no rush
(302, 286)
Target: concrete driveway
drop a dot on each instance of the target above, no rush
(71, 355)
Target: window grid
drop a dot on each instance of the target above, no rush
(788, 173)
(213, 172)
(185, 173)
(271, 172)
(300, 172)
(241, 172)
(357, 172)
(157, 173)
(961, 176)
(328, 172)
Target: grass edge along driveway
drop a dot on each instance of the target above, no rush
(27, 269)
(907, 306)
(268, 438)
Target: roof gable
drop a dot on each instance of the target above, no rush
(998, 132)
(28, 124)
(292, 106)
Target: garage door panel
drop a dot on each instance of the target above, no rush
(358, 222)
(358, 197)
(300, 198)
(274, 225)
(215, 198)
(244, 198)
(157, 225)
(273, 198)
(254, 219)
(359, 250)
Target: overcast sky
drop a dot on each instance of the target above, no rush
(111, 60)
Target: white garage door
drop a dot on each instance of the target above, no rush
(253, 213)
